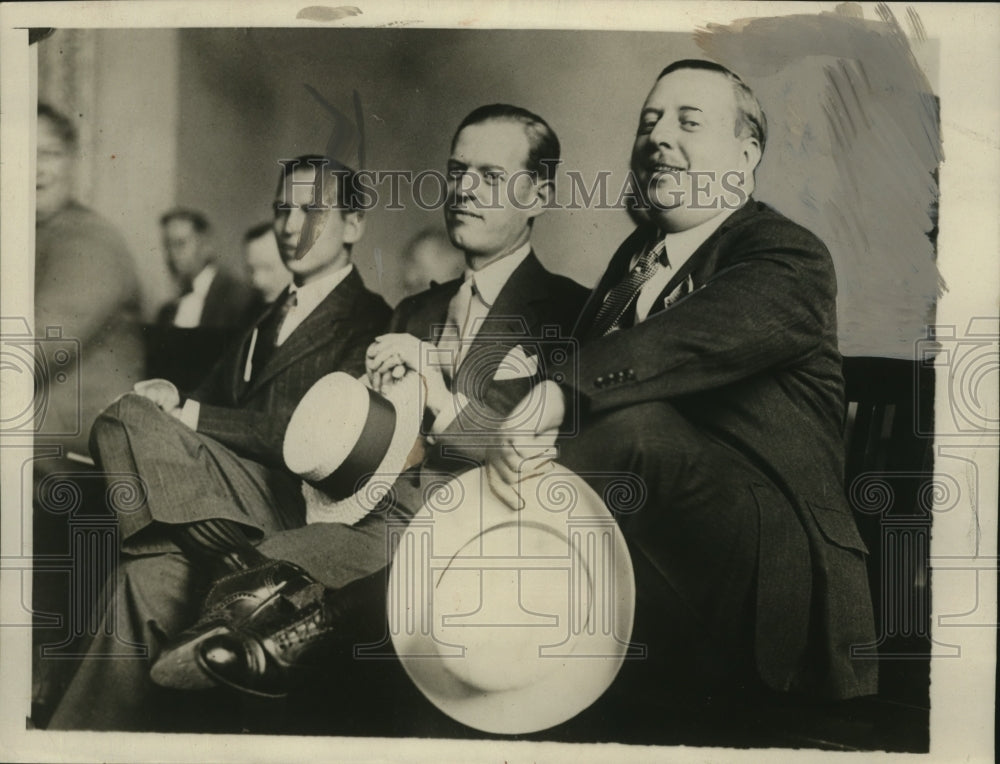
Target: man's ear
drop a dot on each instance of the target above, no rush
(354, 226)
(751, 153)
(545, 191)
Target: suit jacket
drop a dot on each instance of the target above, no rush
(535, 309)
(229, 302)
(750, 356)
(251, 417)
(86, 286)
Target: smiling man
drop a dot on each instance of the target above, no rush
(214, 479)
(709, 368)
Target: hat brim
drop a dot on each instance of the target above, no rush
(405, 397)
(563, 676)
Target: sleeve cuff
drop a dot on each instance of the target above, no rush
(447, 415)
(190, 413)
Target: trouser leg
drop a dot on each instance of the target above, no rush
(686, 507)
(186, 476)
(153, 597)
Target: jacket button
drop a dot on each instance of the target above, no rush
(599, 382)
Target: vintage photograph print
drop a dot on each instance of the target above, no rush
(499, 381)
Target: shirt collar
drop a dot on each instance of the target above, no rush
(491, 279)
(201, 282)
(683, 244)
(316, 291)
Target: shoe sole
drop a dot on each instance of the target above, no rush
(179, 669)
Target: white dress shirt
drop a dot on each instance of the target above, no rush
(307, 298)
(488, 281)
(191, 305)
(680, 247)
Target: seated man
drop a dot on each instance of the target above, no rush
(210, 297)
(501, 167)
(709, 367)
(212, 468)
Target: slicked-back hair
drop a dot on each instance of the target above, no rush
(543, 144)
(64, 127)
(197, 220)
(343, 176)
(750, 117)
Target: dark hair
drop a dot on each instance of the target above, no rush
(750, 116)
(543, 145)
(258, 231)
(345, 178)
(65, 129)
(197, 220)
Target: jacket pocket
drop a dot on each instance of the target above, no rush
(838, 527)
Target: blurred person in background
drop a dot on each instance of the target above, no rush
(429, 259)
(268, 273)
(89, 351)
(85, 287)
(210, 297)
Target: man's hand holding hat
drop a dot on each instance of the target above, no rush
(526, 449)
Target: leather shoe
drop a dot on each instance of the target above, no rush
(232, 600)
(264, 656)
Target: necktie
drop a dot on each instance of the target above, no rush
(459, 308)
(623, 294)
(267, 331)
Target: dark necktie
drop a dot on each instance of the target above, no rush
(267, 331)
(624, 293)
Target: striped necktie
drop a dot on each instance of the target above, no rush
(624, 293)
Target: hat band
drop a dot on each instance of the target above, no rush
(368, 452)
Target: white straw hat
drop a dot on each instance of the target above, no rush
(349, 443)
(512, 622)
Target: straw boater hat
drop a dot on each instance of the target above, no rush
(348, 444)
(512, 621)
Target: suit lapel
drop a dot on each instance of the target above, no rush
(511, 320)
(315, 331)
(427, 322)
(701, 265)
(615, 272)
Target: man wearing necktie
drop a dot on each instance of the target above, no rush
(215, 483)
(479, 343)
(709, 368)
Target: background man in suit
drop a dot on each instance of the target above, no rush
(268, 273)
(709, 367)
(212, 468)
(501, 170)
(210, 297)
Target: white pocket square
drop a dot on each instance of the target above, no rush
(516, 365)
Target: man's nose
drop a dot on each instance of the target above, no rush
(463, 186)
(294, 221)
(663, 134)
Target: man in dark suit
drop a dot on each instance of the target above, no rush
(210, 297)
(709, 368)
(479, 343)
(212, 471)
